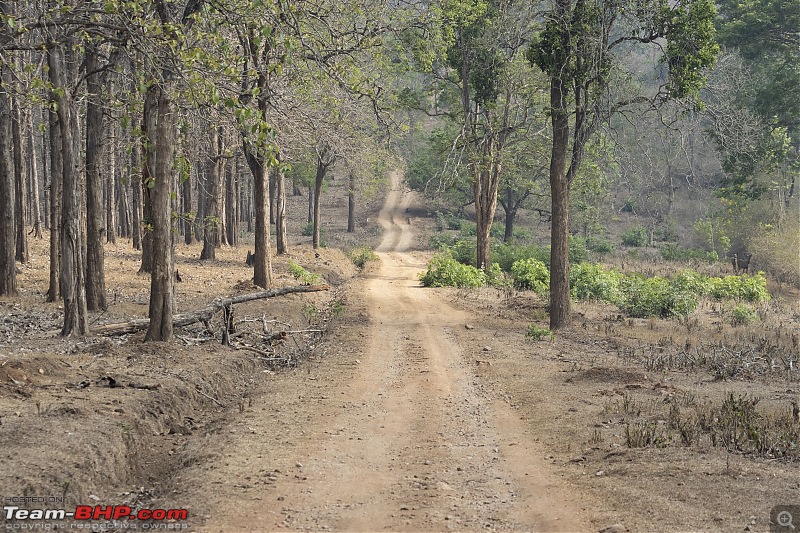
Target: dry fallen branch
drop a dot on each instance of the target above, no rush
(204, 314)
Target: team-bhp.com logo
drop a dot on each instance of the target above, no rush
(20, 519)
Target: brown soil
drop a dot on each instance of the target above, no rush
(421, 410)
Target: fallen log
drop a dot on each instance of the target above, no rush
(204, 314)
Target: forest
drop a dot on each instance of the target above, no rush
(156, 121)
(404, 265)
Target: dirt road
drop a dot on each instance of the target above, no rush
(402, 439)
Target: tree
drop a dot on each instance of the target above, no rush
(96, 230)
(8, 275)
(485, 54)
(73, 264)
(579, 50)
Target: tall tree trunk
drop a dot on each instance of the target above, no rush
(137, 179)
(95, 218)
(248, 202)
(36, 204)
(272, 197)
(8, 273)
(123, 209)
(73, 265)
(21, 179)
(231, 206)
(188, 220)
(212, 219)
(149, 125)
(351, 204)
(280, 215)
(202, 201)
(559, 191)
(310, 205)
(321, 170)
(111, 184)
(56, 199)
(262, 266)
(162, 139)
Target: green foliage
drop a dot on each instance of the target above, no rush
(691, 281)
(495, 277)
(531, 274)
(302, 275)
(439, 241)
(537, 333)
(506, 254)
(635, 236)
(444, 271)
(692, 48)
(711, 236)
(362, 255)
(743, 314)
(645, 297)
(593, 282)
(465, 251)
(578, 253)
(308, 230)
(744, 287)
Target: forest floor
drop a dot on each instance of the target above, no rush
(415, 410)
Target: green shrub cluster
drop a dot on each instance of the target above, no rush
(362, 255)
(636, 236)
(744, 287)
(578, 253)
(537, 333)
(645, 297)
(593, 282)
(679, 296)
(496, 277)
(444, 271)
(743, 314)
(531, 274)
(506, 254)
(302, 275)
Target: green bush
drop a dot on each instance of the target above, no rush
(531, 274)
(691, 281)
(302, 275)
(362, 255)
(439, 241)
(599, 245)
(645, 297)
(465, 251)
(593, 282)
(743, 314)
(308, 230)
(444, 271)
(577, 250)
(506, 254)
(744, 287)
(497, 278)
(636, 236)
(537, 333)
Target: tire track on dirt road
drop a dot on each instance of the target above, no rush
(412, 442)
